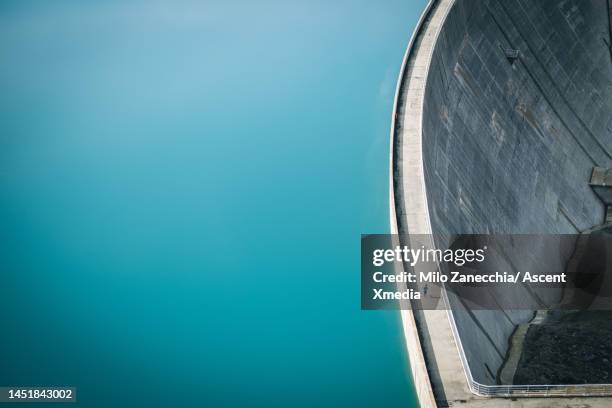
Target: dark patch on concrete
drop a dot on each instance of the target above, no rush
(568, 348)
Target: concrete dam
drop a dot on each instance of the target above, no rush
(502, 124)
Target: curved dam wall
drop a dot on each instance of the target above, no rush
(509, 144)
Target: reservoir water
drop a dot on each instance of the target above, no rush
(183, 186)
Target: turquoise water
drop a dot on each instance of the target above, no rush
(183, 186)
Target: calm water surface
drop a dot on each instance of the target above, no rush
(183, 186)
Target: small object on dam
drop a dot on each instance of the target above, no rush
(510, 53)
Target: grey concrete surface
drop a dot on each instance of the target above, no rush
(487, 145)
(509, 148)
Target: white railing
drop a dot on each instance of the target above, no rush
(560, 390)
(578, 390)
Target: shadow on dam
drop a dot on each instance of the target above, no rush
(517, 112)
